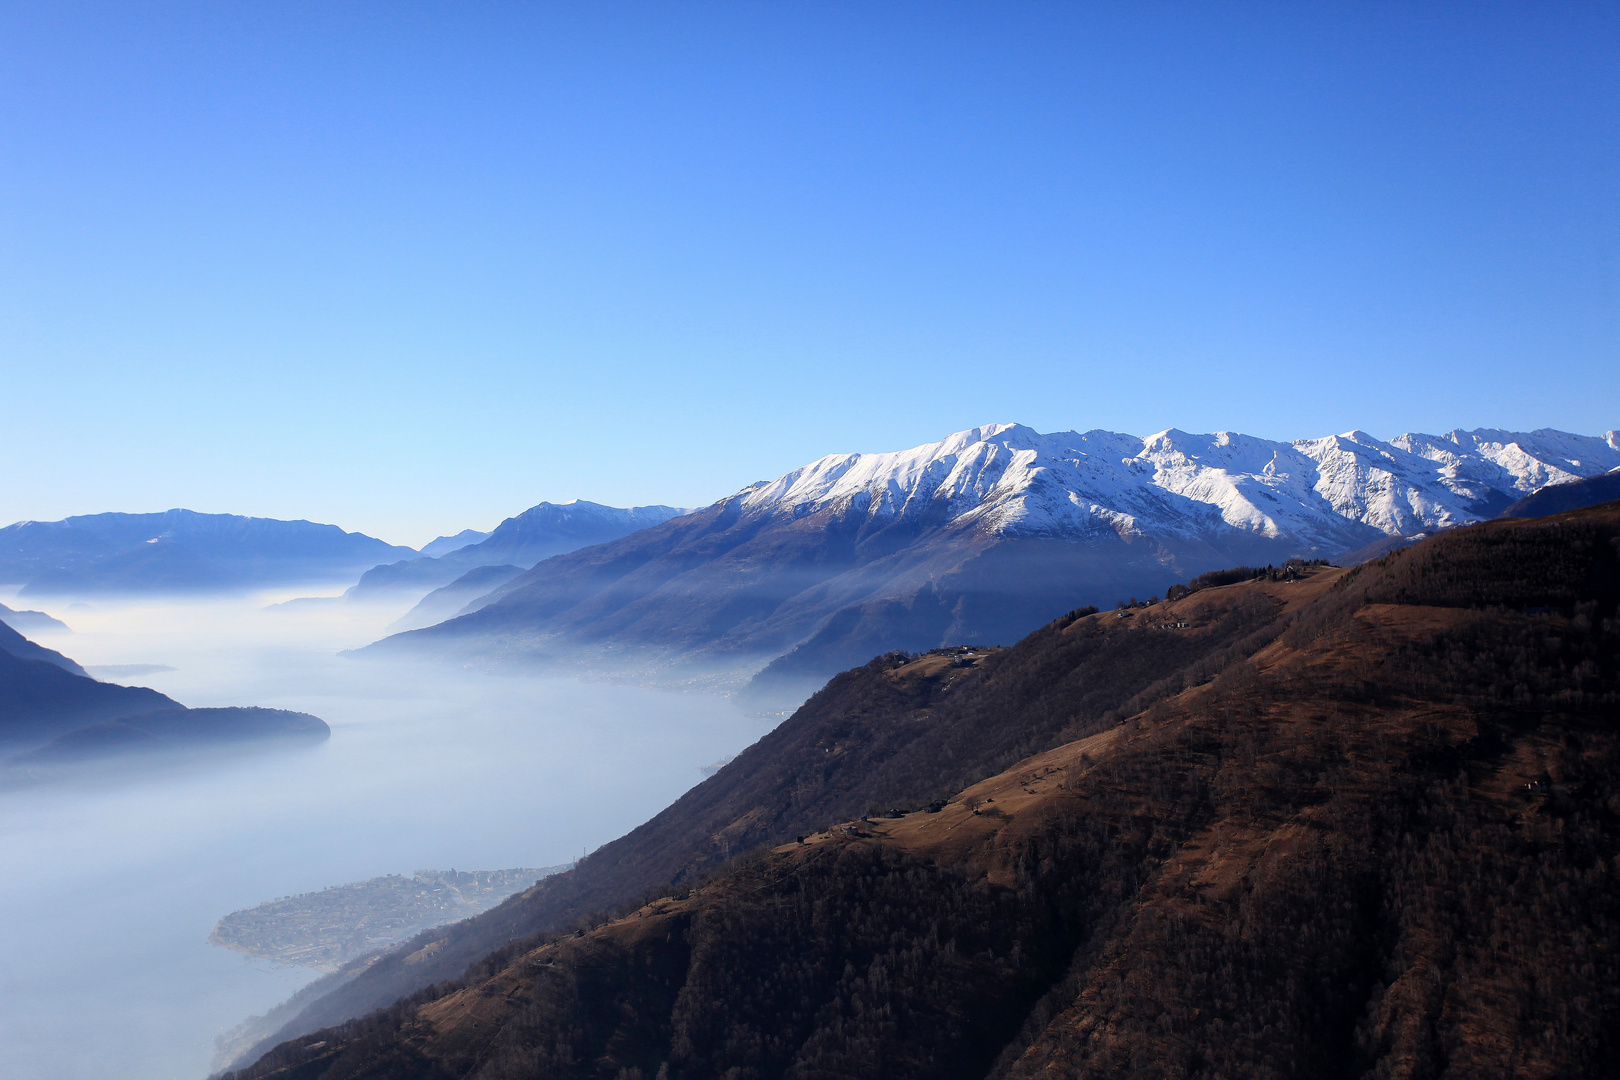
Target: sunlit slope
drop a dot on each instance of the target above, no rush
(979, 538)
(1375, 835)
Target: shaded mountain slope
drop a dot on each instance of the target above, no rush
(726, 589)
(981, 536)
(40, 699)
(17, 645)
(1383, 841)
(179, 551)
(1572, 495)
(447, 601)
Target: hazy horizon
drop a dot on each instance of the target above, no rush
(117, 873)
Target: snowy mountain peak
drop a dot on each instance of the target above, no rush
(1327, 494)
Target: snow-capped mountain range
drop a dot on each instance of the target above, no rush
(1013, 480)
(979, 538)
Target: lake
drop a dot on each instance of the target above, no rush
(112, 882)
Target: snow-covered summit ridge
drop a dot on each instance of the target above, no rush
(1324, 493)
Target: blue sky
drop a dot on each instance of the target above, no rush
(411, 267)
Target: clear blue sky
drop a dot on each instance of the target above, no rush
(411, 267)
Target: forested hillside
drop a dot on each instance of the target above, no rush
(899, 731)
(1317, 823)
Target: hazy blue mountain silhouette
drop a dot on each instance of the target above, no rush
(52, 713)
(19, 646)
(27, 622)
(540, 532)
(447, 601)
(444, 545)
(179, 551)
(178, 728)
(41, 697)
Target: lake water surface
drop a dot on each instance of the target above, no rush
(110, 884)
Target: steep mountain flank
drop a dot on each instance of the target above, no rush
(1571, 495)
(44, 696)
(979, 537)
(17, 645)
(447, 601)
(899, 731)
(1376, 835)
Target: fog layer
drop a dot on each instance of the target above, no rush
(113, 880)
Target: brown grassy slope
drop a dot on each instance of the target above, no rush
(897, 732)
(1411, 869)
(1386, 845)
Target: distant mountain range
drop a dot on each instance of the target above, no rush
(165, 731)
(443, 545)
(519, 542)
(182, 551)
(978, 538)
(448, 601)
(179, 551)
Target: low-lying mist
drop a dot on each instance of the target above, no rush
(115, 875)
